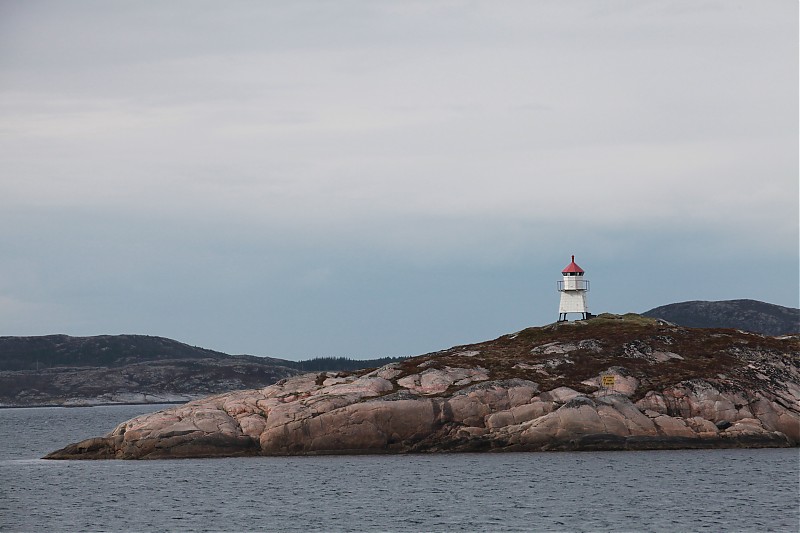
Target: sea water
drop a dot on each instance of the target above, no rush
(692, 490)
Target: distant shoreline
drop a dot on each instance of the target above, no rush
(92, 404)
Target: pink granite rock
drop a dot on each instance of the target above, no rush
(436, 381)
(463, 400)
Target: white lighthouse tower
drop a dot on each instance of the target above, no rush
(573, 289)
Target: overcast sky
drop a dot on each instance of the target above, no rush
(372, 178)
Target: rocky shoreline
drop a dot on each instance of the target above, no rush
(540, 389)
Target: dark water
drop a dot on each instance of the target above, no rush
(726, 490)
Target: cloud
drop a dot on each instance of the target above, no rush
(158, 160)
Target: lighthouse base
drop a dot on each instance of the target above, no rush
(572, 301)
(562, 317)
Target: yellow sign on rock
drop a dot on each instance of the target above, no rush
(607, 381)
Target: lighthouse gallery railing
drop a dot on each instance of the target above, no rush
(574, 285)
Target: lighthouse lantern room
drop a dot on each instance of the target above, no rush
(573, 289)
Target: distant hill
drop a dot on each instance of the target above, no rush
(64, 370)
(104, 369)
(30, 353)
(748, 315)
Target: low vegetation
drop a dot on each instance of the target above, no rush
(656, 353)
(319, 364)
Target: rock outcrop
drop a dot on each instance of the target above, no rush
(539, 389)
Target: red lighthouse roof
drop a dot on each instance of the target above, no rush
(572, 268)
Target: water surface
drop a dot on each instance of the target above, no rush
(692, 490)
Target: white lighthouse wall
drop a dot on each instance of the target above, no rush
(573, 302)
(572, 283)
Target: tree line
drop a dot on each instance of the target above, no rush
(343, 363)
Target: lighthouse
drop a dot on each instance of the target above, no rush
(573, 289)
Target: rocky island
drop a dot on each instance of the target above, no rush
(543, 388)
